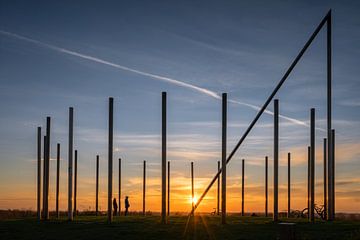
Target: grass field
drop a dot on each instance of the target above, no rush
(149, 227)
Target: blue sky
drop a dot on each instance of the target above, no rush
(242, 48)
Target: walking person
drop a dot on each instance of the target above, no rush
(127, 205)
(115, 206)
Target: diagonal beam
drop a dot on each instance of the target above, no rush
(261, 111)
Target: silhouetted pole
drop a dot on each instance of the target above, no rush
(44, 178)
(119, 186)
(47, 159)
(312, 165)
(329, 118)
(168, 190)
(289, 185)
(218, 191)
(144, 186)
(110, 159)
(325, 176)
(276, 158)
(308, 181)
(38, 199)
(70, 163)
(97, 186)
(192, 185)
(223, 159)
(163, 159)
(57, 179)
(75, 183)
(242, 187)
(266, 186)
(333, 174)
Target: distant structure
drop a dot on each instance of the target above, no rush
(328, 155)
(70, 163)
(163, 158)
(110, 158)
(97, 187)
(144, 186)
(57, 179)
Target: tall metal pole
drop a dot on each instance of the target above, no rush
(38, 199)
(144, 186)
(325, 176)
(218, 191)
(242, 187)
(168, 190)
(329, 117)
(312, 166)
(308, 181)
(47, 159)
(44, 178)
(119, 186)
(223, 159)
(289, 185)
(276, 159)
(110, 159)
(192, 185)
(333, 174)
(75, 184)
(266, 186)
(97, 186)
(163, 159)
(57, 179)
(70, 163)
(261, 111)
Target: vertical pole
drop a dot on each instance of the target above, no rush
(218, 191)
(44, 178)
(168, 190)
(110, 159)
(223, 159)
(70, 163)
(57, 179)
(266, 186)
(242, 187)
(192, 187)
(97, 186)
(119, 186)
(308, 181)
(75, 183)
(289, 185)
(312, 165)
(325, 181)
(333, 173)
(329, 116)
(276, 158)
(48, 121)
(38, 200)
(144, 186)
(163, 159)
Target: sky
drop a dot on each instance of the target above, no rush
(57, 54)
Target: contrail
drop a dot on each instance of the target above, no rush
(151, 75)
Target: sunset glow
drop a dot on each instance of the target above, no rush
(194, 53)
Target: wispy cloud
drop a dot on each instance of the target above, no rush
(350, 102)
(150, 75)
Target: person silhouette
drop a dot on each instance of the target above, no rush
(127, 205)
(115, 206)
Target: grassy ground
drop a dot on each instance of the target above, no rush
(149, 227)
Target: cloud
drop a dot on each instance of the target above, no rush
(151, 75)
(350, 103)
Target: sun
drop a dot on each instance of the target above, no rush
(193, 200)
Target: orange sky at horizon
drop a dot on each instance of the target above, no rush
(180, 196)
